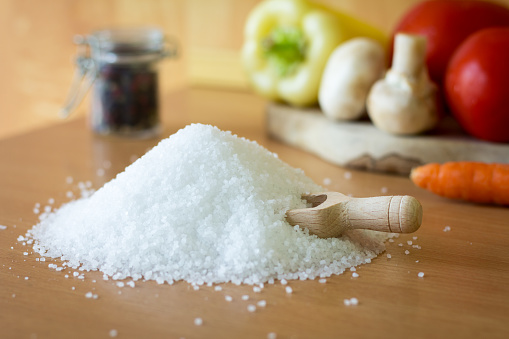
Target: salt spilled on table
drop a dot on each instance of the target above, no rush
(203, 206)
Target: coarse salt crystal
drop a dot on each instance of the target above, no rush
(257, 289)
(120, 284)
(289, 289)
(245, 297)
(271, 335)
(355, 275)
(322, 281)
(447, 228)
(88, 295)
(262, 303)
(251, 308)
(421, 274)
(407, 252)
(2, 227)
(198, 321)
(389, 256)
(113, 333)
(228, 298)
(218, 288)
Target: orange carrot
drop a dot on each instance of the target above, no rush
(466, 180)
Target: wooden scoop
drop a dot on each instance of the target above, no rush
(333, 213)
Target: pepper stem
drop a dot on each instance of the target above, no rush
(284, 49)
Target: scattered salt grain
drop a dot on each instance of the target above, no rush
(284, 282)
(391, 240)
(2, 227)
(409, 242)
(351, 301)
(245, 297)
(196, 287)
(69, 194)
(25, 253)
(69, 180)
(218, 288)
(261, 303)
(355, 275)
(251, 308)
(400, 244)
(348, 175)
(384, 190)
(257, 289)
(228, 298)
(271, 335)
(120, 284)
(327, 181)
(415, 238)
(447, 228)
(407, 252)
(51, 201)
(198, 321)
(288, 289)
(389, 256)
(231, 224)
(353, 269)
(322, 281)
(76, 274)
(26, 278)
(99, 172)
(420, 274)
(113, 333)
(88, 295)
(130, 284)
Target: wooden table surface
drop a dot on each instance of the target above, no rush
(464, 293)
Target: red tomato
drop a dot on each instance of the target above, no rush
(477, 84)
(446, 24)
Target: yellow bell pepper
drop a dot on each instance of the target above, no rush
(287, 44)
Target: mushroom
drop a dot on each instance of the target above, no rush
(405, 101)
(351, 70)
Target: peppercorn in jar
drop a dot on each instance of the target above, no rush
(121, 67)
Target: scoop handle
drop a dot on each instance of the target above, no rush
(396, 214)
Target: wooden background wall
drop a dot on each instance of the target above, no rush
(36, 50)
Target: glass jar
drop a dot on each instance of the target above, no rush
(120, 66)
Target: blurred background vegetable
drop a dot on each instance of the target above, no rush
(405, 101)
(477, 84)
(287, 44)
(471, 181)
(446, 24)
(351, 70)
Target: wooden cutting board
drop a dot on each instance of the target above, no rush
(360, 145)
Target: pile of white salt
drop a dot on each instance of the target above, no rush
(203, 206)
